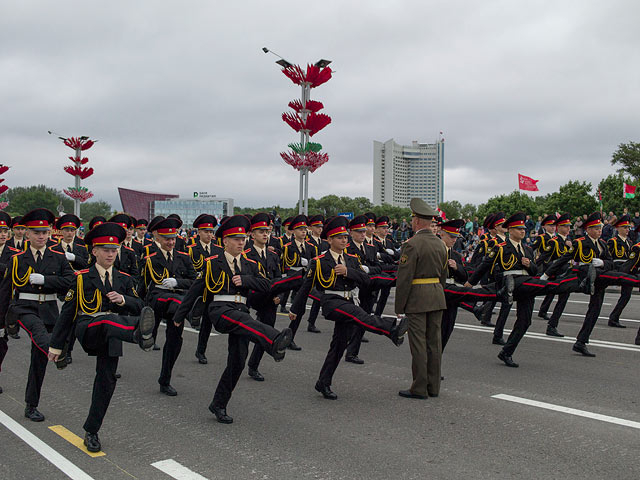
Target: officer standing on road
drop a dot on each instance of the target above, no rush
(422, 272)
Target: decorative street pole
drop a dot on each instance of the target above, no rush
(305, 156)
(3, 188)
(78, 192)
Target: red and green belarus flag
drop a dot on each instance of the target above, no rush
(628, 191)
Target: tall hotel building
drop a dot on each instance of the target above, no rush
(401, 172)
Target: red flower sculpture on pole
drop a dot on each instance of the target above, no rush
(3, 188)
(78, 193)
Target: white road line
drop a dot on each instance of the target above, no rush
(564, 314)
(583, 301)
(570, 411)
(177, 471)
(60, 462)
(192, 330)
(541, 336)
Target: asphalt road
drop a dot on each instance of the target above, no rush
(284, 429)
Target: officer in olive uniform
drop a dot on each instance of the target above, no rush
(103, 309)
(619, 247)
(28, 296)
(422, 271)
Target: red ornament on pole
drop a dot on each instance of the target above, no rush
(3, 188)
(76, 170)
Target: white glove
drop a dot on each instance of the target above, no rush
(170, 283)
(389, 251)
(378, 255)
(365, 268)
(36, 279)
(304, 261)
(544, 277)
(70, 256)
(597, 262)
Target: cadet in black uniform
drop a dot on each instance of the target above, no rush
(126, 258)
(539, 246)
(199, 251)
(388, 258)
(315, 230)
(227, 282)
(287, 237)
(140, 239)
(18, 230)
(166, 276)
(619, 248)
(103, 309)
(28, 297)
(632, 266)
(335, 274)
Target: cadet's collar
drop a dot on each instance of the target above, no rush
(337, 256)
(230, 258)
(65, 244)
(623, 238)
(102, 270)
(34, 250)
(359, 245)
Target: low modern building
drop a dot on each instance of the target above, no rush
(147, 205)
(402, 172)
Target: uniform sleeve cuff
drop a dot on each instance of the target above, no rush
(55, 351)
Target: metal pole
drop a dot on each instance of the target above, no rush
(306, 93)
(306, 192)
(301, 195)
(76, 201)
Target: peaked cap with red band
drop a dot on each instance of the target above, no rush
(516, 220)
(452, 227)
(205, 222)
(97, 220)
(624, 221)
(593, 220)
(564, 219)
(122, 219)
(358, 223)
(382, 221)
(108, 235)
(316, 221)
(68, 221)
(236, 226)
(299, 221)
(5, 220)
(287, 222)
(335, 226)
(496, 220)
(141, 222)
(371, 218)
(260, 221)
(549, 220)
(167, 227)
(38, 219)
(17, 222)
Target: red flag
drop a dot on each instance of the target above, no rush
(527, 183)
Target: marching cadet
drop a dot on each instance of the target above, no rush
(6, 252)
(287, 237)
(632, 266)
(556, 248)
(102, 308)
(295, 258)
(422, 271)
(619, 248)
(154, 243)
(199, 251)
(595, 265)
(18, 230)
(181, 244)
(97, 220)
(126, 259)
(512, 263)
(335, 274)
(166, 276)
(315, 230)
(388, 259)
(227, 282)
(75, 253)
(539, 246)
(140, 239)
(28, 297)
(265, 304)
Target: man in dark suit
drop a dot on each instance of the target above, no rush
(166, 276)
(335, 275)
(102, 309)
(28, 297)
(228, 281)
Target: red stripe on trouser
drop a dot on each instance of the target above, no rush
(247, 328)
(635, 280)
(286, 279)
(534, 284)
(315, 298)
(563, 281)
(361, 322)
(169, 300)
(32, 341)
(466, 305)
(110, 322)
(492, 295)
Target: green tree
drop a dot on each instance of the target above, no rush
(88, 210)
(515, 201)
(451, 209)
(574, 197)
(627, 156)
(24, 199)
(468, 210)
(612, 199)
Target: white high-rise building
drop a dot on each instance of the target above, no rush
(401, 172)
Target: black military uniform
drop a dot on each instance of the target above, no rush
(594, 264)
(539, 246)
(13, 242)
(226, 305)
(287, 237)
(28, 297)
(181, 243)
(632, 266)
(268, 263)
(140, 239)
(337, 302)
(127, 259)
(199, 252)
(166, 276)
(388, 255)
(6, 252)
(321, 247)
(101, 325)
(75, 252)
(619, 248)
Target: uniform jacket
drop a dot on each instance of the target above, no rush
(459, 275)
(502, 258)
(423, 256)
(555, 248)
(198, 254)
(540, 244)
(80, 251)
(156, 268)
(291, 255)
(583, 252)
(619, 249)
(367, 256)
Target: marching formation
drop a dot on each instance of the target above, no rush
(127, 276)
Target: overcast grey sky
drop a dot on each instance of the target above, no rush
(181, 97)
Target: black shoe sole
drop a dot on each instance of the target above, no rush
(282, 341)
(146, 324)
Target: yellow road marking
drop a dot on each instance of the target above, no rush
(75, 440)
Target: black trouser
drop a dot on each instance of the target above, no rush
(165, 306)
(546, 303)
(104, 385)
(313, 313)
(40, 334)
(448, 322)
(558, 309)
(501, 321)
(235, 320)
(524, 311)
(204, 334)
(625, 296)
(382, 299)
(266, 315)
(367, 299)
(345, 314)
